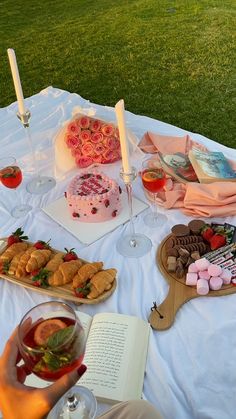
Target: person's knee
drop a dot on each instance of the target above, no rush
(141, 409)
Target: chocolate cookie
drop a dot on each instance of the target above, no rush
(180, 230)
(196, 226)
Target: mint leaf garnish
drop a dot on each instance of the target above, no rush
(58, 338)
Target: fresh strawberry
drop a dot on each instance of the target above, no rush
(16, 237)
(207, 232)
(216, 241)
(37, 283)
(41, 278)
(82, 292)
(40, 245)
(34, 273)
(70, 255)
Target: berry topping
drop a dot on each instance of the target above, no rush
(114, 213)
(75, 214)
(94, 210)
(86, 176)
(107, 203)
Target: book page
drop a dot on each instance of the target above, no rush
(114, 373)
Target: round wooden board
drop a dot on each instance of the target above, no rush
(63, 291)
(162, 317)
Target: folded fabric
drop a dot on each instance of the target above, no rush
(216, 199)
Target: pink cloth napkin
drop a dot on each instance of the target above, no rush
(216, 199)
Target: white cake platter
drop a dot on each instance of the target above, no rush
(88, 233)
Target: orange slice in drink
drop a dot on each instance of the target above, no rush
(47, 328)
(151, 175)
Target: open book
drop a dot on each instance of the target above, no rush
(178, 166)
(211, 166)
(116, 353)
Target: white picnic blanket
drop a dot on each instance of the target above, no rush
(190, 371)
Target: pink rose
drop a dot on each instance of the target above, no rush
(75, 152)
(72, 128)
(87, 149)
(84, 161)
(109, 156)
(72, 141)
(95, 125)
(85, 135)
(84, 122)
(107, 129)
(96, 137)
(99, 148)
(112, 143)
(97, 159)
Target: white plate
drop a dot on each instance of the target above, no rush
(88, 233)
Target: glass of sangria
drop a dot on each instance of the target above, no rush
(52, 343)
(153, 179)
(11, 177)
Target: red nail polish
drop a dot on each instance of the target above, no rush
(81, 370)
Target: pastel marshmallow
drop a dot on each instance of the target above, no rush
(202, 264)
(191, 278)
(204, 275)
(214, 270)
(192, 267)
(226, 276)
(215, 283)
(202, 287)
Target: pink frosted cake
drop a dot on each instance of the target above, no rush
(93, 197)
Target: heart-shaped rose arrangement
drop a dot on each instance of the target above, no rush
(92, 141)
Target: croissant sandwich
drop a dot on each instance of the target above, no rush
(13, 250)
(55, 262)
(65, 273)
(101, 282)
(20, 269)
(86, 272)
(38, 259)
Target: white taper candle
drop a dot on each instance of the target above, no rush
(120, 116)
(16, 80)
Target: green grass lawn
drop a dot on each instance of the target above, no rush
(170, 60)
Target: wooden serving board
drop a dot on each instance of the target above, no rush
(163, 316)
(63, 291)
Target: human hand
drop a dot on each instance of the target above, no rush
(18, 401)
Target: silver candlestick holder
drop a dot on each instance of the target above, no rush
(38, 184)
(132, 244)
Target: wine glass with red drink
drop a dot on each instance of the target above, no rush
(11, 177)
(52, 343)
(153, 179)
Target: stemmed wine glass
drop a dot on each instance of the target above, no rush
(38, 184)
(133, 244)
(52, 343)
(154, 179)
(11, 177)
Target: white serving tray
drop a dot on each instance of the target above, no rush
(88, 233)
